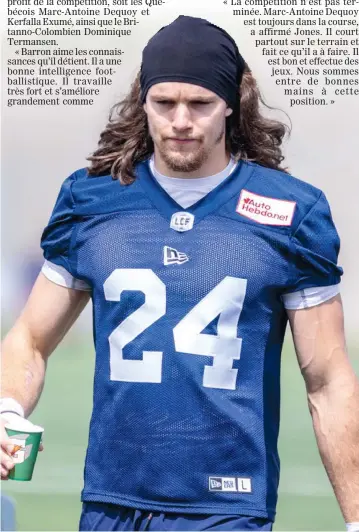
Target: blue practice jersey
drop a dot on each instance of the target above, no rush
(189, 323)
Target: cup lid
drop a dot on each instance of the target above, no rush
(16, 422)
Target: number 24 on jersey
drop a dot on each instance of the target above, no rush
(224, 300)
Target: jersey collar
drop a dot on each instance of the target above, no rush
(167, 206)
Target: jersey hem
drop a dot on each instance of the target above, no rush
(93, 496)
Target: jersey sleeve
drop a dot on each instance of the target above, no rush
(56, 240)
(309, 297)
(59, 275)
(314, 249)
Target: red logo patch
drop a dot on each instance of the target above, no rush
(265, 210)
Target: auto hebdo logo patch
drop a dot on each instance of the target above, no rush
(265, 210)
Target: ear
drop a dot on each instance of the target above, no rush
(145, 108)
(229, 111)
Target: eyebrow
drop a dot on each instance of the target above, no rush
(162, 97)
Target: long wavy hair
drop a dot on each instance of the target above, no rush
(126, 141)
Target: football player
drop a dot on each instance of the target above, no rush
(195, 247)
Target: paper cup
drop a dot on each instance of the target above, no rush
(26, 438)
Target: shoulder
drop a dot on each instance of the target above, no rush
(77, 176)
(278, 185)
(92, 194)
(81, 182)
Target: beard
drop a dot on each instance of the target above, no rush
(187, 161)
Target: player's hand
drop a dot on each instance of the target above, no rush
(7, 446)
(6, 450)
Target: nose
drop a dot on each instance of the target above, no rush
(181, 119)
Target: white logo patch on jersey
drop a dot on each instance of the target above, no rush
(264, 210)
(215, 484)
(172, 256)
(241, 485)
(182, 221)
(222, 484)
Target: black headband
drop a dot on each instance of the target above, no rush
(192, 50)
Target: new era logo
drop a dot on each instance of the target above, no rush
(215, 484)
(172, 256)
(222, 484)
(234, 484)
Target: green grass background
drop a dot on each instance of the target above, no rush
(51, 501)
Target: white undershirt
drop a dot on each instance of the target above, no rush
(187, 191)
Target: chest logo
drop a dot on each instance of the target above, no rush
(264, 210)
(172, 256)
(182, 221)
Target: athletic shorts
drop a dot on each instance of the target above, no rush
(102, 516)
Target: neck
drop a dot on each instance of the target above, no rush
(213, 165)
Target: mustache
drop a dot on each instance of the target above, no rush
(182, 138)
